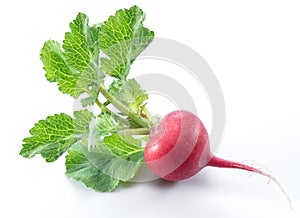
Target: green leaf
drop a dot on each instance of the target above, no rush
(128, 155)
(122, 38)
(88, 101)
(108, 124)
(54, 135)
(124, 146)
(81, 43)
(130, 94)
(100, 151)
(115, 86)
(82, 121)
(103, 125)
(117, 156)
(79, 167)
(102, 167)
(57, 69)
(75, 66)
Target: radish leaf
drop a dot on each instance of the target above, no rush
(130, 94)
(101, 167)
(54, 135)
(76, 67)
(101, 148)
(80, 168)
(122, 38)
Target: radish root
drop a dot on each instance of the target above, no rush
(278, 184)
(219, 162)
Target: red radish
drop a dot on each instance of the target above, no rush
(178, 148)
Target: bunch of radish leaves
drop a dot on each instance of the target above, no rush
(94, 60)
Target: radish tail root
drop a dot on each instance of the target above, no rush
(218, 162)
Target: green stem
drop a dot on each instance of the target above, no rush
(102, 107)
(106, 103)
(99, 104)
(138, 131)
(121, 107)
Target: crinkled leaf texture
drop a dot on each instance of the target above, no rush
(80, 168)
(75, 65)
(122, 38)
(108, 124)
(104, 124)
(130, 94)
(117, 158)
(54, 135)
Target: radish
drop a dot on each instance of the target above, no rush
(178, 148)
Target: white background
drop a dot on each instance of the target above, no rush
(254, 49)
